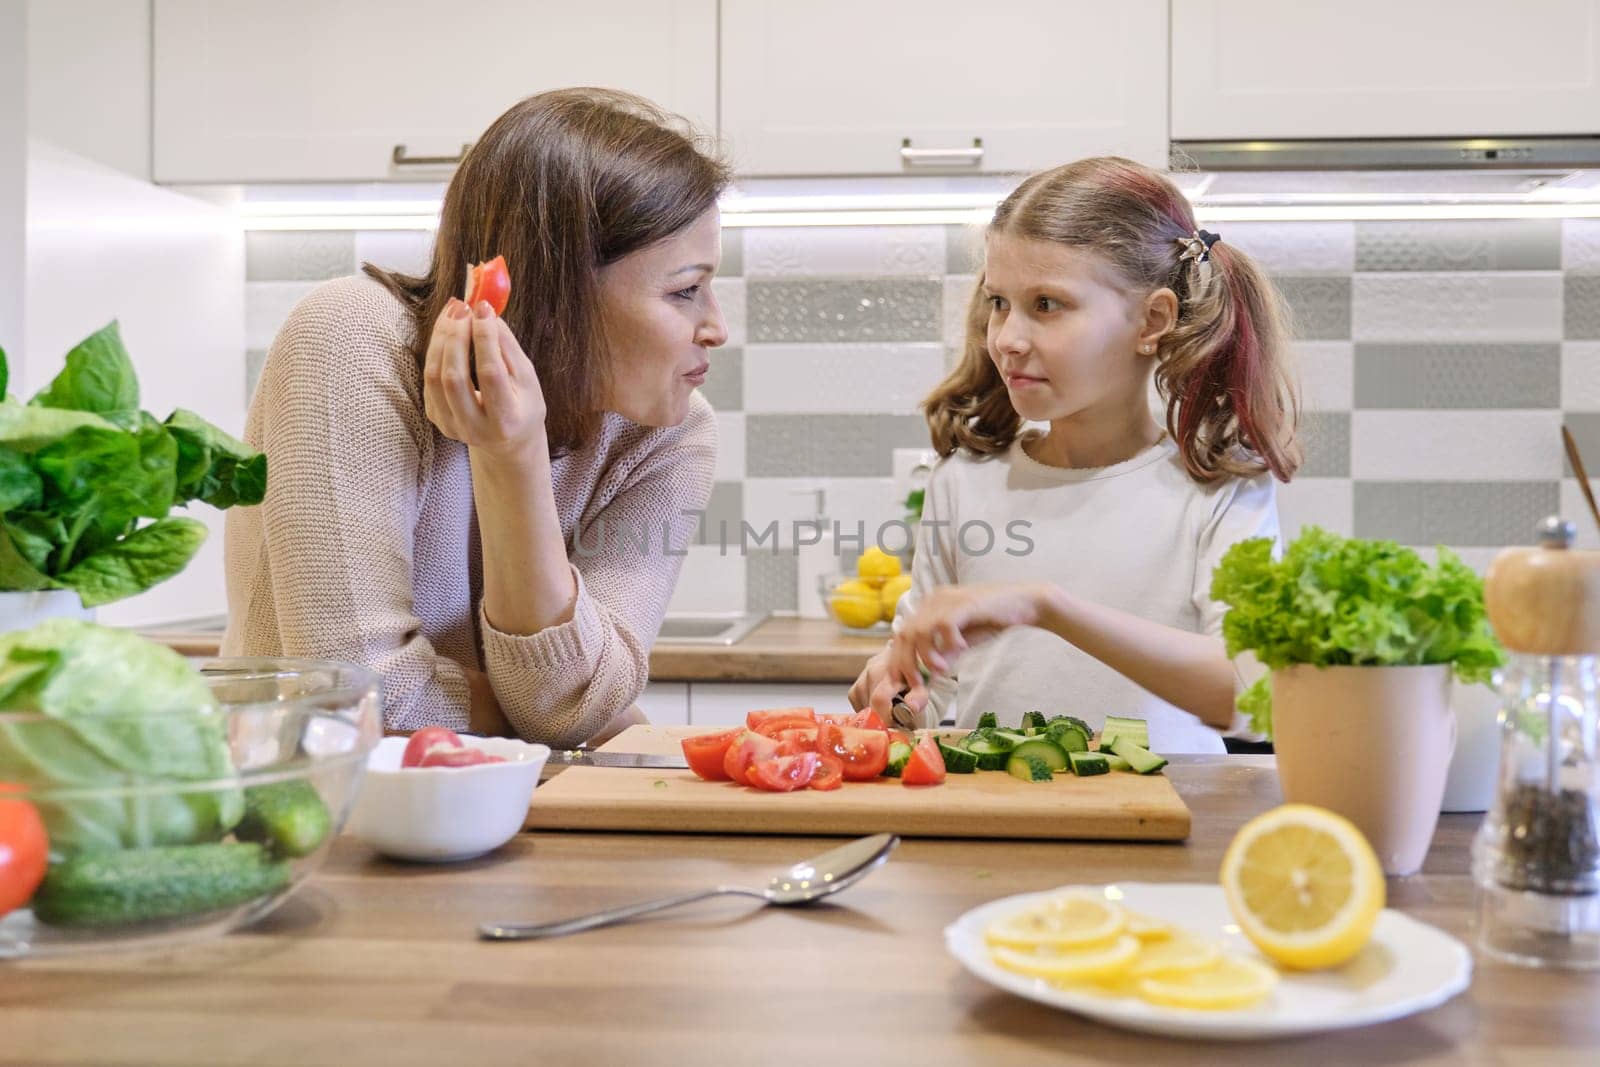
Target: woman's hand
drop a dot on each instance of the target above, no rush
(504, 415)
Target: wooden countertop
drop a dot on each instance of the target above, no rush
(375, 963)
(779, 650)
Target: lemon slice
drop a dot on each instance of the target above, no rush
(1067, 921)
(1174, 956)
(1232, 982)
(1304, 885)
(1070, 965)
(1147, 929)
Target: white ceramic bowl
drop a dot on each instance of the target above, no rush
(444, 814)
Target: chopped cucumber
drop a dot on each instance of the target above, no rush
(958, 760)
(1033, 722)
(1085, 764)
(991, 749)
(1135, 730)
(1116, 762)
(899, 756)
(1067, 737)
(1029, 768)
(1139, 758)
(1043, 749)
(987, 721)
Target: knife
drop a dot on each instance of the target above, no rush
(581, 757)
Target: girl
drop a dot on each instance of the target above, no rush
(489, 512)
(1069, 570)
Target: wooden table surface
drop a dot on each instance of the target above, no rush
(790, 650)
(375, 963)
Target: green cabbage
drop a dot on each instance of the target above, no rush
(119, 711)
(1337, 601)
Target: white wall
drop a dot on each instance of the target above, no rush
(89, 79)
(13, 172)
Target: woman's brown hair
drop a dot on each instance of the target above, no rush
(1222, 371)
(562, 184)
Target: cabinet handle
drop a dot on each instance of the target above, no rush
(941, 157)
(400, 159)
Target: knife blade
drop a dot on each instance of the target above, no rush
(581, 757)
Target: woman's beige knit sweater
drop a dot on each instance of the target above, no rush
(366, 547)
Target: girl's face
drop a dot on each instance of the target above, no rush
(1065, 337)
(660, 319)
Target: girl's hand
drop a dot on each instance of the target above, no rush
(877, 686)
(505, 414)
(951, 620)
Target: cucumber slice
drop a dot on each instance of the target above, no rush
(1043, 749)
(987, 721)
(958, 760)
(1085, 764)
(1029, 768)
(1116, 762)
(1067, 737)
(991, 749)
(1139, 758)
(1033, 722)
(899, 756)
(1135, 730)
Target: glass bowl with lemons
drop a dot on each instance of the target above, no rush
(865, 602)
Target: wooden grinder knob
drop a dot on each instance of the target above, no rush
(1545, 601)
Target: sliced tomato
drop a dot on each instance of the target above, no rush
(865, 719)
(748, 747)
(489, 281)
(24, 849)
(797, 740)
(902, 736)
(442, 756)
(429, 737)
(864, 753)
(784, 774)
(926, 765)
(705, 753)
(755, 718)
(830, 773)
(779, 727)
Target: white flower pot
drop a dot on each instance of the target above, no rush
(21, 611)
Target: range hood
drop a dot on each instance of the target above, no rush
(1465, 153)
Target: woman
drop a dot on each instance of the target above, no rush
(491, 512)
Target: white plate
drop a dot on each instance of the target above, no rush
(1407, 967)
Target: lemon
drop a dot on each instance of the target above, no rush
(1102, 960)
(1231, 982)
(1147, 929)
(1174, 956)
(876, 566)
(1304, 885)
(1071, 920)
(855, 603)
(892, 591)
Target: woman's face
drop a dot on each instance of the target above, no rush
(661, 318)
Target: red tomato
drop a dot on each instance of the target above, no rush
(778, 727)
(457, 757)
(830, 773)
(784, 774)
(489, 281)
(864, 753)
(429, 737)
(793, 741)
(756, 718)
(705, 753)
(865, 719)
(24, 850)
(926, 765)
(901, 736)
(748, 747)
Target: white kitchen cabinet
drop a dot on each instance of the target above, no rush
(1256, 69)
(727, 703)
(307, 90)
(666, 703)
(946, 86)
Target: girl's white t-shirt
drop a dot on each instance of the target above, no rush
(1141, 536)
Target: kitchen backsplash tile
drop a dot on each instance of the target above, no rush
(1437, 361)
(844, 310)
(1458, 376)
(724, 510)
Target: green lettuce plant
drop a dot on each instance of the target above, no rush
(1340, 601)
(87, 480)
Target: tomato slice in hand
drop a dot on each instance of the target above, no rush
(429, 737)
(784, 774)
(755, 719)
(864, 753)
(24, 849)
(705, 753)
(489, 281)
(748, 747)
(457, 757)
(926, 765)
(830, 773)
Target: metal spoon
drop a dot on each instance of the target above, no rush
(803, 883)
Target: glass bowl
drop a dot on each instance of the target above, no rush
(851, 610)
(141, 856)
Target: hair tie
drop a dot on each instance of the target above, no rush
(1197, 246)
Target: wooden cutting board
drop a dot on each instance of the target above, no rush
(1117, 806)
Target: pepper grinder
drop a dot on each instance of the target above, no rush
(1536, 859)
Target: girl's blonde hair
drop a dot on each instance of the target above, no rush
(1222, 371)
